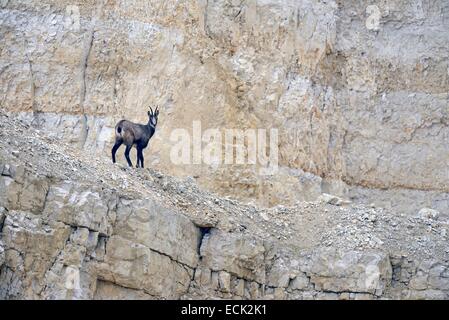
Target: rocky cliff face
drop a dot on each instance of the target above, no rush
(357, 89)
(74, 227)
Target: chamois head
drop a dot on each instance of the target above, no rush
(152, 121)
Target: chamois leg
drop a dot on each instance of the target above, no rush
(140, 157)
(127, 150)
(117, 145)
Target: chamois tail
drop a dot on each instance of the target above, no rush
(119, 129)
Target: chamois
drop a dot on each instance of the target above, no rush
(134, 134)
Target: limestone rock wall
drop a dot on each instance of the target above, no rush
(396, 80)
(358, 89)
(74, 227)
(82, 242)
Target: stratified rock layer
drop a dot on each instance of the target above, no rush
(75, 227)
(358, 91)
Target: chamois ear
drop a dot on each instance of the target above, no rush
(157, 111)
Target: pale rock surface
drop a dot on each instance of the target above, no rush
(358, 90)
(428, 213)
(235, 254)
(331, 199)
(107, 232)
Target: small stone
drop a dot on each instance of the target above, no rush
(264, 216)
(300, 282)
(344, 296)
(334, 200)
(428, 213)
(6, 170)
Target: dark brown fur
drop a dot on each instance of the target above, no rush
(133, 134)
